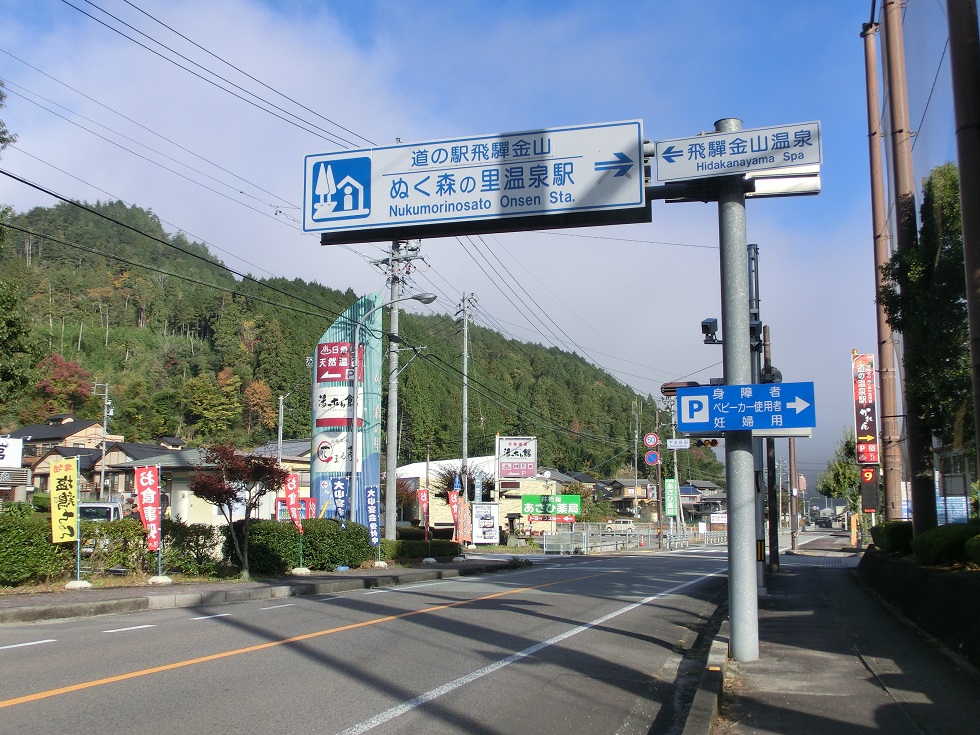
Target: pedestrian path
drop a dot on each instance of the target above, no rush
(834, 660)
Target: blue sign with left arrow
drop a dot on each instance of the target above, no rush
(767, 406)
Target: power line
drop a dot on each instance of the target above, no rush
(244, 73)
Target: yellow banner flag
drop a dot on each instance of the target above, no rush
(64, 500)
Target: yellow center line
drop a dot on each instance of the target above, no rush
(271, 644)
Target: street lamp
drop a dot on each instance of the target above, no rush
(424, 298)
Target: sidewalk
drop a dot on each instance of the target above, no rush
(23, 608)
(834, 660)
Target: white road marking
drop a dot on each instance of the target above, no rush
(132, 627)
(276, 607)
(208, 617)
(389, 714)
(29, 643)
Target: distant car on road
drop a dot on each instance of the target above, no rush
(621, 525)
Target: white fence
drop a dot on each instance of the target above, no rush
(594, 538)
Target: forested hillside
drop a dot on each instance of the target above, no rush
(190, 349)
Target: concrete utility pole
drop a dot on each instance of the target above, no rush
(794, 503)
(106, 413)
(755, 321)
(891, 450)
(920, 451)
(964, 54)
(743, 600)
(464, 473)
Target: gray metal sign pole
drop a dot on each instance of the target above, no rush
(739, 464)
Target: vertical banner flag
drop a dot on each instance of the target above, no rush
(292, 500)
(865, 408)
(454, 507)
(64, 500)
(423, 493)
(148, 501)
(334, 425)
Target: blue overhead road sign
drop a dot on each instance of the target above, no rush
(421, 188)
(745, 151)
(714, 408)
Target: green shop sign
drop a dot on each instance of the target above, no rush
(544, 505)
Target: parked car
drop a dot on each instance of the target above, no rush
(100, 511)
(621, 525)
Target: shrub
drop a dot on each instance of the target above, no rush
(944, 544)
(41, 502)
(188, 548)
(422, 549)
(273, 546)
(326, 546)
(893, 537)
(972, 549)
(27, 554)
(18, 509)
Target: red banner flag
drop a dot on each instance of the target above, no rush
(148, 500)
(454, 509)
(423, 493)
(292, 500)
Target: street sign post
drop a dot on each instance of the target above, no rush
(766, 406)
(744, 151)
(552, 177)
(678, 444)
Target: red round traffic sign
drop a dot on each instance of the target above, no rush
(651, 458)
(651, 440)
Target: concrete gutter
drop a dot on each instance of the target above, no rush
(704, 709)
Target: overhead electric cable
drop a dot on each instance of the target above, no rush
(245, 73)
(327, 135)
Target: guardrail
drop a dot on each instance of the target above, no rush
(592, 538)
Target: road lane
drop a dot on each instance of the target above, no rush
(606, 625)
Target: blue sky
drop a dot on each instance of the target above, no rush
(630, 297)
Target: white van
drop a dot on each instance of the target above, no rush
(621, 525)
(99, 511)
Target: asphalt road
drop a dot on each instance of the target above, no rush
(571, 645)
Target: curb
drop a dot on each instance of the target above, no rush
(704, 709)
(223, 597)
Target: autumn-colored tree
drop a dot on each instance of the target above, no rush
(65, 387)
(237, 482)
(259, 406)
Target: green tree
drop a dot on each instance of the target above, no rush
(238, 485)
(18, 352)
(926, 301)
(840, 479)
(6, 137)
(209, 407)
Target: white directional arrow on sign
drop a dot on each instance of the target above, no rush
(799, 404)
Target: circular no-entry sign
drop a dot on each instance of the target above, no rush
(651, 440)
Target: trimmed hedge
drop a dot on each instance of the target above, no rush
(972, 549)
(893, 537)
(422, 549)
(944, 544)
(273, 546)
(27, 554)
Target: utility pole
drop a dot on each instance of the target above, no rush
(964, 55)
(755, 330)
(106, 413)
(891, 454)
(401, 252)
(464, 310)
(920, 451)
(794, 527)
